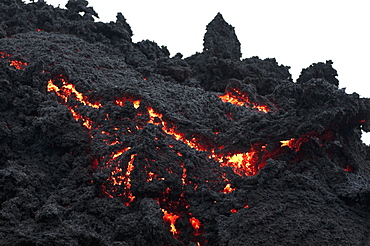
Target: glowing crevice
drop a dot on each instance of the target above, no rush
(121, 160)
(20, 65)
(236, 97)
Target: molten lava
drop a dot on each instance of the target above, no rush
(18, 64)
(157, 119)
(4, 55)
(228, 189)
(292, 143)
(195, 223)
(171, 220)
(119, 180)
(121, 160)
(67, 90)
(86, 122)
(127, 180)
(236, 97)
(121, 102)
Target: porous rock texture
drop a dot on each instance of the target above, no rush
(94, 170)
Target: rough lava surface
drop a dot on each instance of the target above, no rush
(104, 141)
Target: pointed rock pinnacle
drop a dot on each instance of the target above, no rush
(220, 39)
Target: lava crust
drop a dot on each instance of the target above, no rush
(109, 142)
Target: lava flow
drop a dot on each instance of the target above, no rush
(171, 219)
(236, 97)
(20, 65)
(243, 164)
(122, 160)
(4, 55)
(106, 141)
(65, 91)
(118, 184)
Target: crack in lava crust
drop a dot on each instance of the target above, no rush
(123, 159)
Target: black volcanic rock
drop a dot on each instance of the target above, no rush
(319, 70)
(214, 74)
(220, 62)
(77, 6)
(104, 141)
(151, 50)
(220, 40)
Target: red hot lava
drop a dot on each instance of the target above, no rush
(20, 65)
(236, 97)
(171, 220)
(4, 55)
(121, 161)
(120, 175)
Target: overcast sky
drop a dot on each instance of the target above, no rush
(296, 33)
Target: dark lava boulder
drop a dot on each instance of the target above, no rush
(319, 70)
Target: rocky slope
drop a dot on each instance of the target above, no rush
(108, 142)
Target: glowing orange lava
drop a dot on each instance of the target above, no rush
(18, 64)
(171, 220)
(4, 55)
(228, 189)
(119, 178)
(119, 153)
(121, 102)
(195, 223)
(86, 122)
(236, 97)
(151, 176)
(67, 90)
(289, 143)
(295, 144)
(157, 119)
(127, 181)
(242, 164)
(120, 160)
(234, 210)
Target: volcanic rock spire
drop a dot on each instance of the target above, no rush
(220, 39)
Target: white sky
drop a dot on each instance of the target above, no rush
(296, 32)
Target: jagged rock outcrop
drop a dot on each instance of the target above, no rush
(319, 70)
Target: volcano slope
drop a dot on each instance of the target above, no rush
(108, 142)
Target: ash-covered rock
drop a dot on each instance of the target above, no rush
(108, 142)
